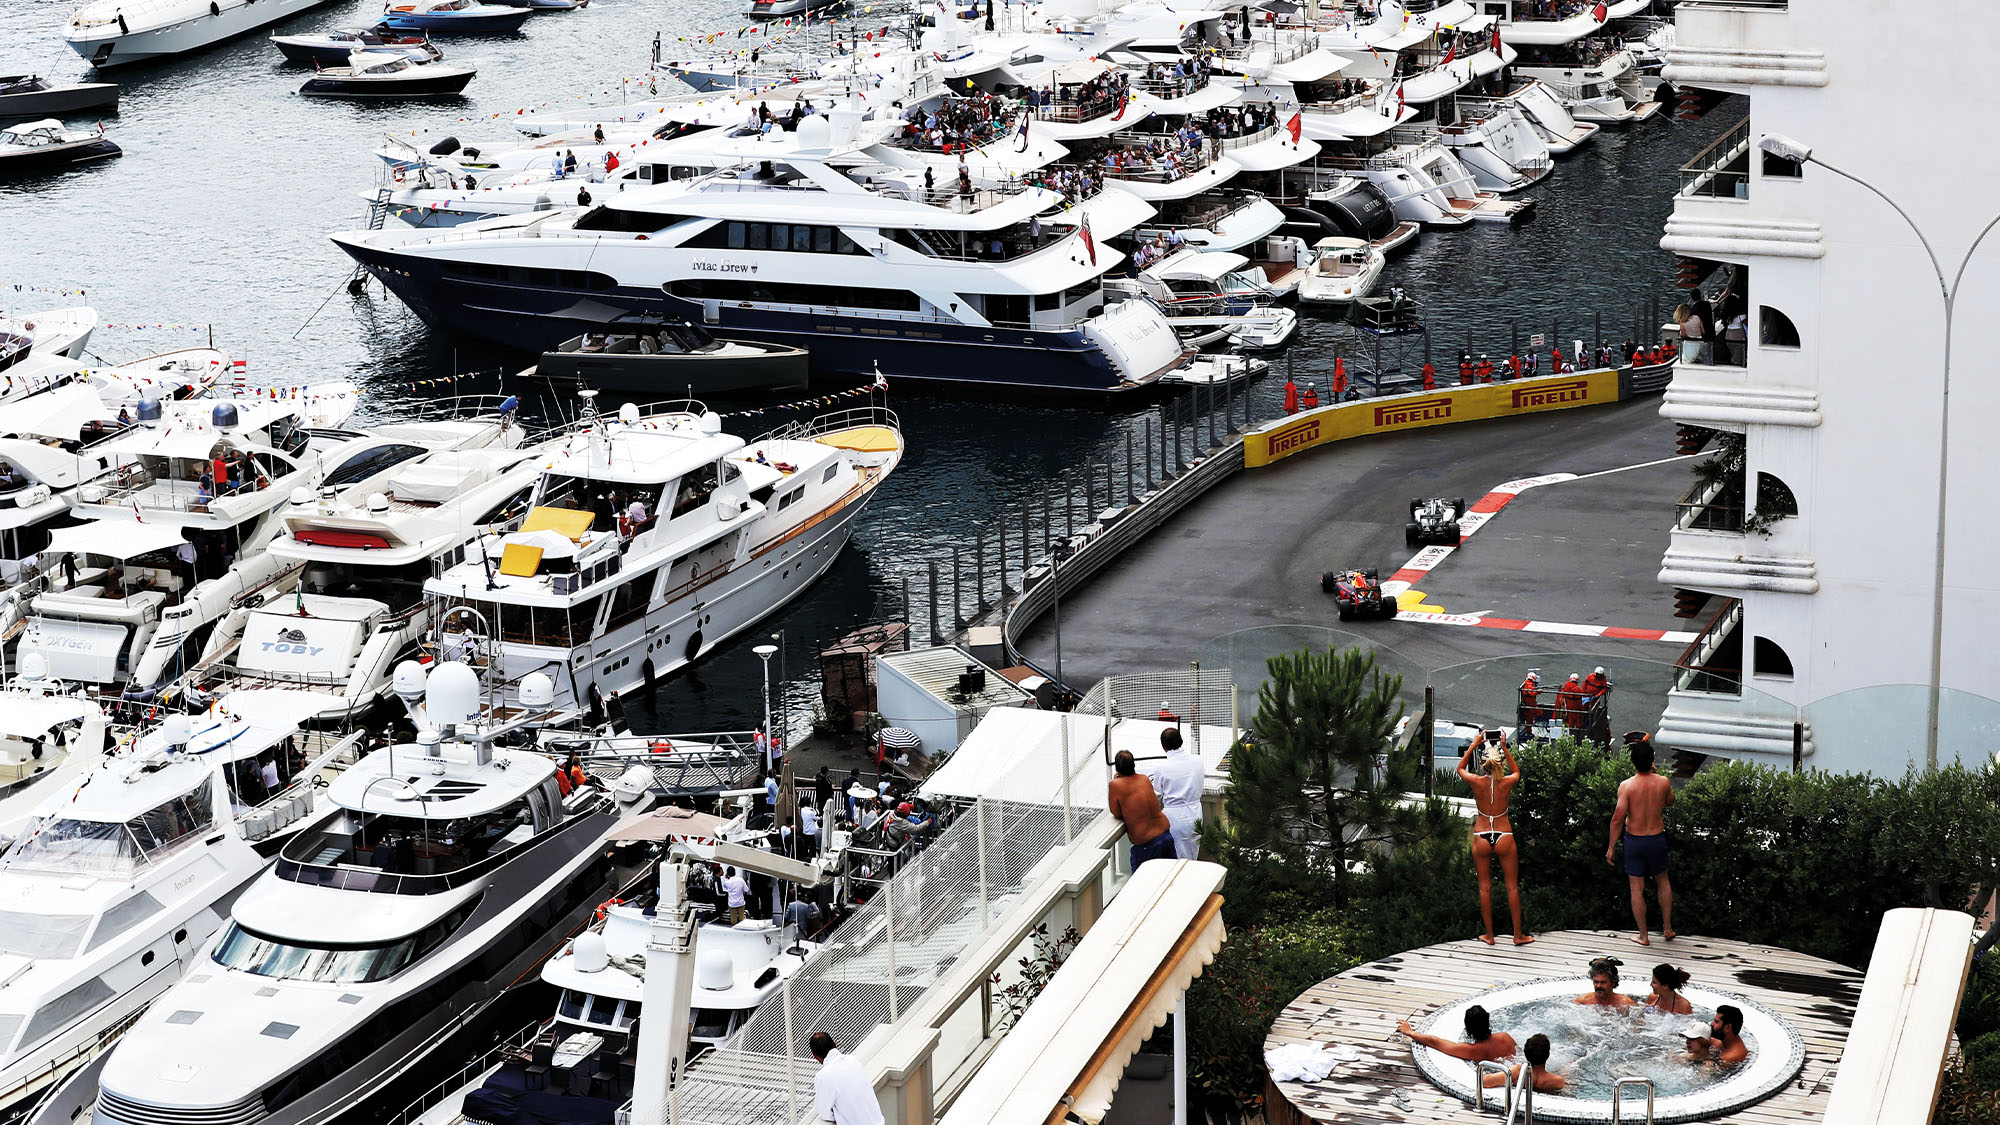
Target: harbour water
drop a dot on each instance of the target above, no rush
(218, 212)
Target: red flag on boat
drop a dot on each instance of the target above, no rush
(1496, 38)
(1450, 52)
(1296, 126)
(1399, 97)
(1089, 243)
(1600, 12)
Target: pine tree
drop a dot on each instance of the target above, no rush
(1315, 788)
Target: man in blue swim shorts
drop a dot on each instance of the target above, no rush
(1640, 822)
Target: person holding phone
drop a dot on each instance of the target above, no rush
(1492, 833)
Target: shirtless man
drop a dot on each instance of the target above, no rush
(1135, 804)
(1487, 1044)
(1642, 803)
(1536, 1051)
(1492, 833)
(1604, 985)
(1727, 1025)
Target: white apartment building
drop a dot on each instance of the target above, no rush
(1813, 557)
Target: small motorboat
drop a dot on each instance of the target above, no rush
(24, 96)
(546, 5)
(45, 144)
(467, 16)
(332, 48)
(1343, 271)
(386, 74)
(675, 359)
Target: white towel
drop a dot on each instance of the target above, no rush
(1299, 1062)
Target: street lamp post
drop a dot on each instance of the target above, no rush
(765, 653)
(1779, 145)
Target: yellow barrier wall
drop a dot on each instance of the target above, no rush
(1300, 432)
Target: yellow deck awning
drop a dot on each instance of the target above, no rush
(864, 439)
(566, 522)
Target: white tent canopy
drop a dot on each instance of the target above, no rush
(1016, 754)
(59, 413)
(1123, 980)
(116, 539)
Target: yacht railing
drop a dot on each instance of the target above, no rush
(463, 1076)
(1245, 140)
(1074, 112)
(840, 420)
(1709, 173)
(105, 12)
(1695, 673)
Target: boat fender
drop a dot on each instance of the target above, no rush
(604, 907)
(694, 645)
(213, 8)
(652, 674)
(472, 154)
(661, 746)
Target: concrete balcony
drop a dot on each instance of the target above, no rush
(1713, 559)
(1727, 398)
(1726, 229)
(1751, 727)
(1737, 45)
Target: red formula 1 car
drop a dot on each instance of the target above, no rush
(1358, 593)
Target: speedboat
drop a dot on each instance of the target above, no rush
(606, 598)
(112, 891)
(1343, 270)
(779, 9)
(673, 357)
(30, 95)
(387, 74)
(114, 32)
(333, 48)
(465, 16)
(444, 871)
(54, 332)
(36, 145)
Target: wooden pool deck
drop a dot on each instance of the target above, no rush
(1360, 1008)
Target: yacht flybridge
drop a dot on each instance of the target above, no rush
(857, 259)
(393, 506)
(115, 32)
(655, 537)
(444, 870)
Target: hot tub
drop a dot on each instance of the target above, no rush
(1592, 1047)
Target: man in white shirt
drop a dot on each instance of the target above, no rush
(1178, 781)
(842, 1093)
(738, 890)
(809, 825)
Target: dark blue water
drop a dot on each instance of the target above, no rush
(218, 212)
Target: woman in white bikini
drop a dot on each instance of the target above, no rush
(1492, 832)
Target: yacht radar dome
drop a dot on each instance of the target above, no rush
(34, 667)
(537, 690)
(629, 414)
(302, 495)
(408, 681)
(711, 423)
(452, 695)
(224, 416)
(588, 952)
(175, 730)
(149, 409)
(377, 503)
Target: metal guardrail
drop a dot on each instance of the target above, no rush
(1708, 173)
(1694, 672)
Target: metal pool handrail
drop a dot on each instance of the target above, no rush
(1618, 1097)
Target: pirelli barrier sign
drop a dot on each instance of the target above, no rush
(1395, 413)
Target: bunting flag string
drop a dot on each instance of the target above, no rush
(806, 403)
(157, 327)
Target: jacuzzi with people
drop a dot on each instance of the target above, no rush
(1593, 1047)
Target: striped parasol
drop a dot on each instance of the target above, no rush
(897, 738)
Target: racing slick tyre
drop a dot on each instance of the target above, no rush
(1412, 535)
(1343, 611)
(1390, 607)
(1455, 535)
(1457, 507)
(1326, 582)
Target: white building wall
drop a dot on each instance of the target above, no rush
(1890, 92)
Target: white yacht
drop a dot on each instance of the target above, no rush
(114, 32)
(64, 332)
(394, 507)
(860, 264)
(1581, 62)
(111, 891)
(731, 530)
(115, 598)
(1209, 295)
(51, 736)
(445, 871)
(1343, 271)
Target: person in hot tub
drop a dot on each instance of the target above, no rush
(1487, 1044)
(1536, 1051)
(1604, 985)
